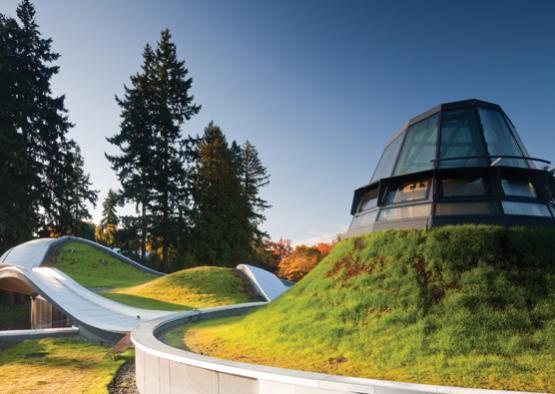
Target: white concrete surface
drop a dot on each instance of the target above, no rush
(164, 369)
(267, 284)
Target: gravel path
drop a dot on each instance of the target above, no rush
(124, 382)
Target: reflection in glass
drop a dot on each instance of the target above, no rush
(369, 200)
(387, 161)
(519, 142)
(461, 137)
(499, 139)
(525, 208)
(419, 148)
(406, 212)
(409, 191)
(364, 219)
(518, 188)
(466, 208)
(463, 187)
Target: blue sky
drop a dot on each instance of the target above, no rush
(317, 86)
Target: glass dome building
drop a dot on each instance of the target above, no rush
(460, 162)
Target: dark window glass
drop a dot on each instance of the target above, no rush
(499, 138)
(419, 148)
(387, 161)
(369, 200)
(410, 191)
(518, 188)
(463, 187)
(364, 219)
(519, 142)
(525, 208)
(466, 208)
(552, 209)
(460, 137)
(405, 212)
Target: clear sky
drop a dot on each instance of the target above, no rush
(317, 86)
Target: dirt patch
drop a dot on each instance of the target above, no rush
(348, 268)
(124, 381)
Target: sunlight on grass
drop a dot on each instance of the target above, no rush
(469, 306)
(52, 366)
(91, 267)
(198, 287)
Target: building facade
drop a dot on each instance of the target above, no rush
(460, 162)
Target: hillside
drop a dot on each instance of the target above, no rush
(466, 306)
(94, 268)
(198, 287)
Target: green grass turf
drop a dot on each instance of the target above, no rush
(199, 287)
(469, 306)
(94, 268)
(58, 366)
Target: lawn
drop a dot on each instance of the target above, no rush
(94, 268)
(199, 287)
(469, 306)
(58, 366)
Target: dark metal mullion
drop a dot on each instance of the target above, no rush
(435, 183)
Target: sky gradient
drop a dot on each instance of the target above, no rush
(317, 86)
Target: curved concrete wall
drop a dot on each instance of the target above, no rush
(268, 285)
(164, 369)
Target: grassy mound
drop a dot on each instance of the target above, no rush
(94, 268)
(199, 287)
(467, 306)
(57, 366)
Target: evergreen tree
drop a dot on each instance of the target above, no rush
(172, 105)
(220, 230)
(254, 176)
(109, 206)
(105, 232)
(136, 140)
(33, 126)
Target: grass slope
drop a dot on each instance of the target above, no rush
(199, 287)
(467, 306)
(57, 366)
(94, 268)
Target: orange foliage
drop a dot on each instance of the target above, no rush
(303, 259)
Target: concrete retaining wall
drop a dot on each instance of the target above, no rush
(164, 369)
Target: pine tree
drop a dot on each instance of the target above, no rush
(254, 176)
(34, 125)
(106, 231)
(172, 105)
(136, 140)
(109, 207)
(220, 230)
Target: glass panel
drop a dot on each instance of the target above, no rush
(466, 208)
(525, 208)
(409, 191)
(369, 200)
(460, 137)
(499, 139)
(419, 148)
(552, 208)
(364, 219)
(463, 187)
(406, 212)
(516, 188)
(387, 161)
(519, 142)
